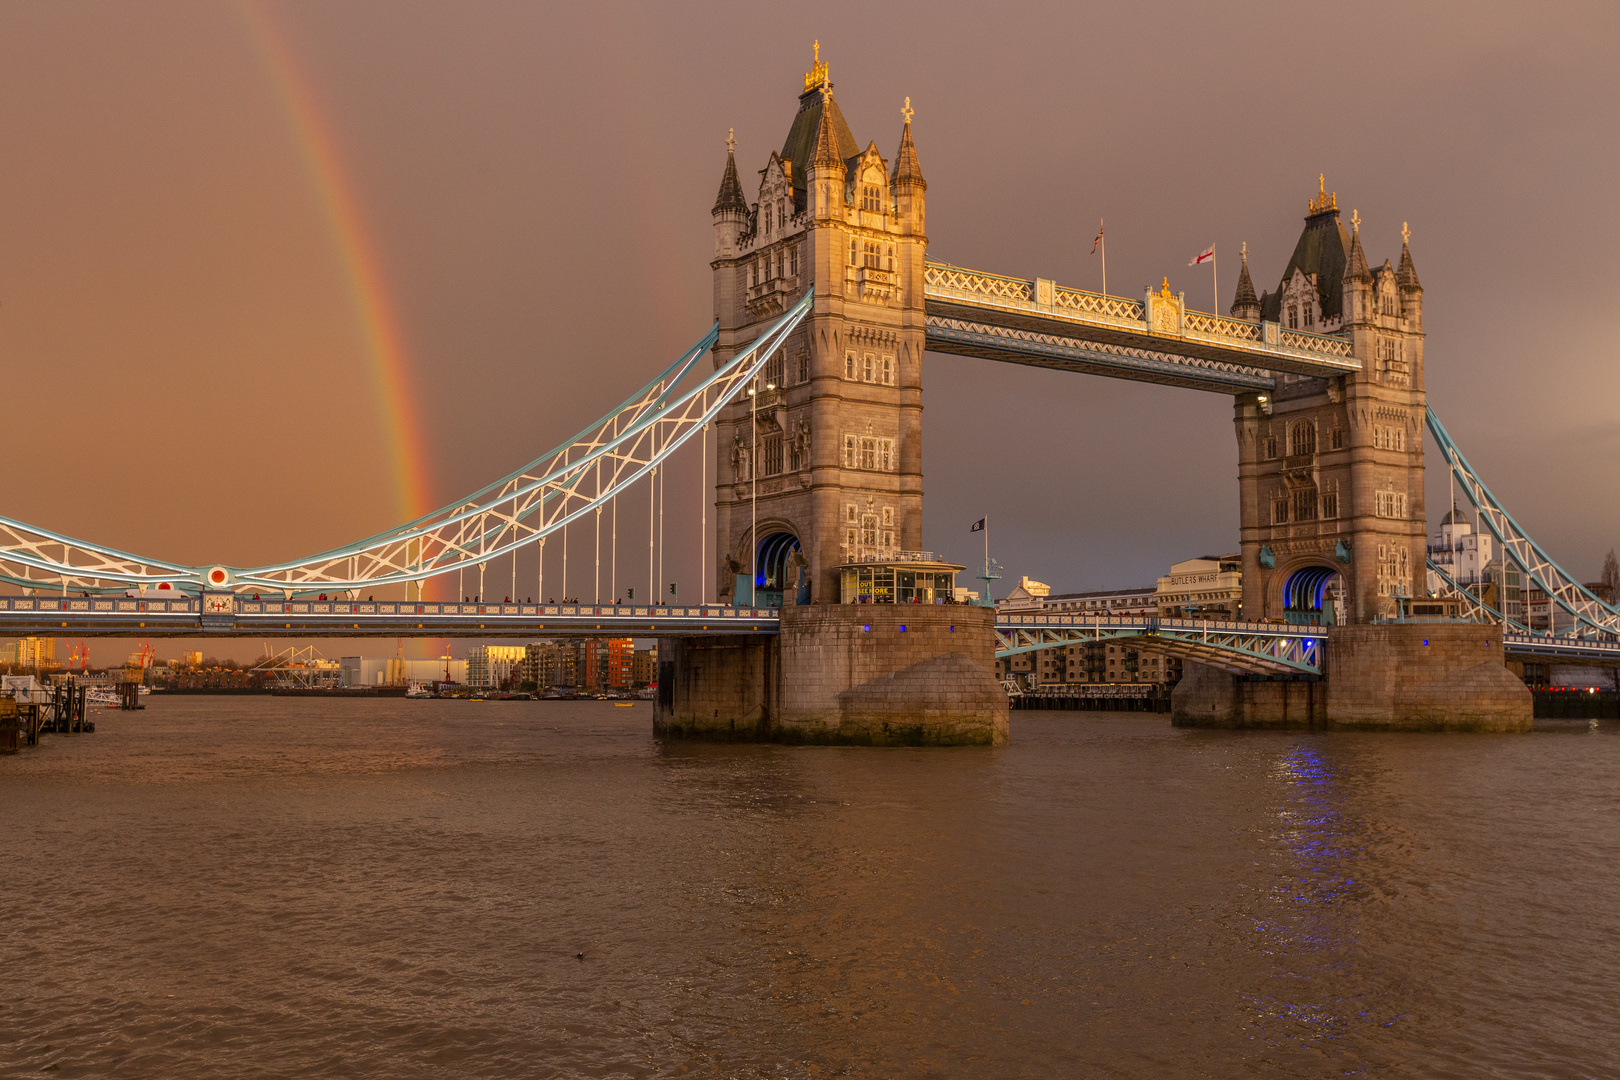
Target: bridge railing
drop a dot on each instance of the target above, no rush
(77, 606)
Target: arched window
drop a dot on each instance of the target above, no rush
(852, 251)
(1293, 317)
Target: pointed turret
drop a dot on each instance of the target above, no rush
(1406, 274)
(1406, 277)
(1355, 268)
(907, 172)
(827, 153)
(730, 211)
(1245, 304)
(825, 176)
(730, 199)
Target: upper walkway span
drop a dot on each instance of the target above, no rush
(1156, 339)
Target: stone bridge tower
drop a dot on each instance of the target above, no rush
(1331, 470)
(836, 462)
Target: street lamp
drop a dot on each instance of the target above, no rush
(753, 484)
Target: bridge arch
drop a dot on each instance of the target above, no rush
(776, 549)
(1309, 591)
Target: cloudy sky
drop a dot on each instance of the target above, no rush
(204, 207)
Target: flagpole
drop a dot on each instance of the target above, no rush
(1215, 270)
(1104, 243)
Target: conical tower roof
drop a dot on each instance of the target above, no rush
(1406, 274)
(906, 168)
(1355, 268)
(1322, 250)
(805, 133)
(731, 193)
(827, 150)
(1245, 296)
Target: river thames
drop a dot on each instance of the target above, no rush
(255, 887)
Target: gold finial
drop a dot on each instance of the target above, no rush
(1406, 234)
(1164, 290)
(908, 112)
(817, 75)
(1325, 200)
(1355, 220)
(731, 141)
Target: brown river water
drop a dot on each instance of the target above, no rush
(270, 887)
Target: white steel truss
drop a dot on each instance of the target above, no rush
(577, 478)
(1591, 615)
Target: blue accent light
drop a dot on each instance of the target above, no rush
(902, 628)
(867, 628)
(1425, 641)
(953, 629)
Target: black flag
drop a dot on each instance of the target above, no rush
(978, 526)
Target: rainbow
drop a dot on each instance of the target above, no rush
(379, 324)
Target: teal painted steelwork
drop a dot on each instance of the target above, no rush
(1591, 615)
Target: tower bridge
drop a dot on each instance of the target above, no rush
(807, 391)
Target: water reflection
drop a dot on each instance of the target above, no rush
(1310, 921)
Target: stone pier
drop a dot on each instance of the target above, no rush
(1388, 677)
(841, 674)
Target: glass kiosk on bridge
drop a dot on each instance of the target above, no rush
(898, 577)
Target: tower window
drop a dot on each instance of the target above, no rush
(849, 366)
(1302, 437)
(852, 260)
(888, 371)
(1305, 504)
(871, 198)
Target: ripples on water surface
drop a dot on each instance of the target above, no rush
(274, 887)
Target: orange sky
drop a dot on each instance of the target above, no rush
(189, 373)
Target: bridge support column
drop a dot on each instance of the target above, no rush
(863, 675)
(1381, 677)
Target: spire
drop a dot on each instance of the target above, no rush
(1406, 273)
(906, 169)
(1245, 304)
(730, 198)
(1355, 269)
(827, 152)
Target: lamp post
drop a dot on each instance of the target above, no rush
(753, 485)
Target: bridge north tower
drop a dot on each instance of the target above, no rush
(824, 464)
(1331, 470)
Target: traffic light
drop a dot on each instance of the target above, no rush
(672, 588)
(630, 593)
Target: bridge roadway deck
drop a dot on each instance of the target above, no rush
(1258, 648)
(1155, 339)
(78, 616)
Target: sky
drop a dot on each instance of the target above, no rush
(272, 274)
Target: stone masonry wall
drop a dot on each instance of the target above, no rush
(871, 675)
(1381, 677)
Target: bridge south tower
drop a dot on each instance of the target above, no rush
(1331, 469)
(824, 465)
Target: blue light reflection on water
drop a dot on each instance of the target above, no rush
(1310, 905)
